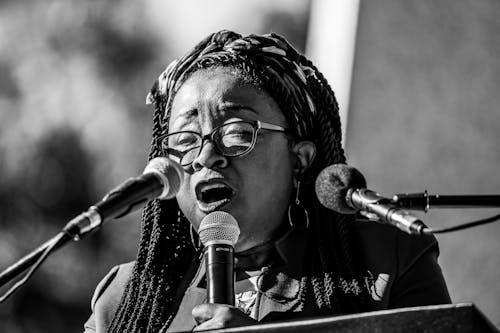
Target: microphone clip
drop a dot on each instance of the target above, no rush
(378, 208)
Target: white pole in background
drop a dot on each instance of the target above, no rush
(330, 45)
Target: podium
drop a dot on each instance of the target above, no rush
(456, 318)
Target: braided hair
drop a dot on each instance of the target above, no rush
(267, 62)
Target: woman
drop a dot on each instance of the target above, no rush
(294, 258)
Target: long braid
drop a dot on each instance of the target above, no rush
(322, 291)
(141, 314)
(342, 234)
(151, 213)
(146, 304)
(132, 288)
(130, 294)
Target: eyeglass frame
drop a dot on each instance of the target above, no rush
(257, 125)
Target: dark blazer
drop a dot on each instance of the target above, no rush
(402, 271)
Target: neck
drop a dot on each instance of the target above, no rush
(262, 254)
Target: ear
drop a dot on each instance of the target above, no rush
(304, 151)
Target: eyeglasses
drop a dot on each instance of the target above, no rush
(231, 140)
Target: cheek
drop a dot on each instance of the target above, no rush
(274, 171)
(186, 200)
(279, 158)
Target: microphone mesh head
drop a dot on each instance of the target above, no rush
(333, 183)
(219, 228)
(170, 173)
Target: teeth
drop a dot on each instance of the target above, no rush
(212, 186)
(210, 194)
(213, 198)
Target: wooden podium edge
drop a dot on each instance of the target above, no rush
(484, 324)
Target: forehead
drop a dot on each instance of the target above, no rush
(213, 91)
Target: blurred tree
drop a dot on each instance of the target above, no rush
(48, 190)
(72, 72)
(8, 86)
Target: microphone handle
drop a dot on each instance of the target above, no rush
(129, 196)
(219, 261)
(126, 198)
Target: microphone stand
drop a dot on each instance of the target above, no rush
(424, 201)
(75, 230)
(28, 260)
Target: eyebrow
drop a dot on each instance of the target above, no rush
(185, 118)
(236, 107)
(190, 113)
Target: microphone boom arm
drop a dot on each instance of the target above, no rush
(424, 201)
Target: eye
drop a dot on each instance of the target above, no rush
(237, 129)
(183, 140)
(239, 139)
(239, 134)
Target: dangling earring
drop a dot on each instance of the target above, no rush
(296, 203)
(192, 233)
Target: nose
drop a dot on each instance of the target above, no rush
(209, 158)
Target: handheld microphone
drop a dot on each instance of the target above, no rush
(161, 179)
(218, 233)
(341, 188)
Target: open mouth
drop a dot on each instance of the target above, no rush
(213, 195)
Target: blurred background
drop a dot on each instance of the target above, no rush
(417, 82)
